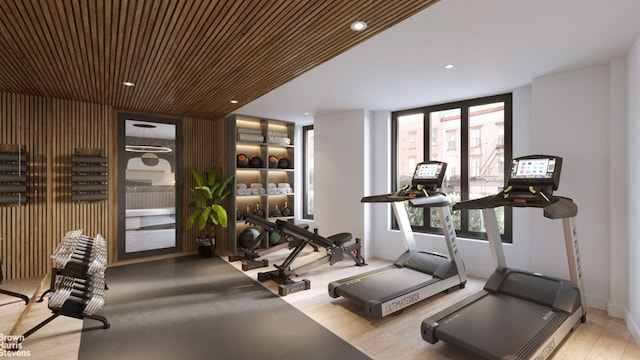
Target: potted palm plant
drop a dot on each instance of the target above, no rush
(207, 211)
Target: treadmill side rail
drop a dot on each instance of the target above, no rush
(428, 330)
(539, 349)
(436, 286)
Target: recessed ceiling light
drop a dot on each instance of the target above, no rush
(128, 83)
(358, 26)
(448, 66)
(234, 101)
(307, 113)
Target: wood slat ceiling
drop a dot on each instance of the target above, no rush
(187, 58)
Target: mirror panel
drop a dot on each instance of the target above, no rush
(149, 160)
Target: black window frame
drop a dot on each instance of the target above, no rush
(463, 105)
(305, 197)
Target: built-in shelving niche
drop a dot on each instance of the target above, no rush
(13, 175)
(89, 175)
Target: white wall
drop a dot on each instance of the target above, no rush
(618, 180)
(633, 314)
(570, 117)
(378, 216)
(340, 178)
(578, 115)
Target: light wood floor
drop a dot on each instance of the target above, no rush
(394, 337)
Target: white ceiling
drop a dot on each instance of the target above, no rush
(495, 45)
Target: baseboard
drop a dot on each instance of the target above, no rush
(633, 327)
(616, 311)
(597, 302)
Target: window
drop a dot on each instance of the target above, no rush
(451, 139)
(307, 198)
(410, 150)
(412, 139)
(477, 142)
(474, 166)
(500, 130)
(475, 136)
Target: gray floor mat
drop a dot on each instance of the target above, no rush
(202, 308)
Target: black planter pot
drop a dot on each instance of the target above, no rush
(206, 247)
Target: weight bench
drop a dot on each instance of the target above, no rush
(334, 245)
(250, 253)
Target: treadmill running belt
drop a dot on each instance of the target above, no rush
(384, 285)
(510, 324)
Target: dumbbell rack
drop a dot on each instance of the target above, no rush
(7, 292)
(11, 293)
(77, 279)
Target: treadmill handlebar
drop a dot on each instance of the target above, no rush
(417, 195)
(433, 200)
(555, 207)
(563, 208)
(388, 198)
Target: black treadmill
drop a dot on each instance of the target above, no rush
(415, 275)
(518, 314)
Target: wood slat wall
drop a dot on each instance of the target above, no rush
(20, 236)
(51, 130)
(203, 145)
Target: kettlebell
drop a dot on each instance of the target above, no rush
(242, 161)
(283, 163)
(276, 212)
(286, 211)
(255, 161)
(272, 161)
(258, 211)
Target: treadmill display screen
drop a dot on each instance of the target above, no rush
(538, 169)
(431, 172)
(427, 171)
(535, 168)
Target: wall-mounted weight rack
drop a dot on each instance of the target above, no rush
(13, 175)
(89, 177)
